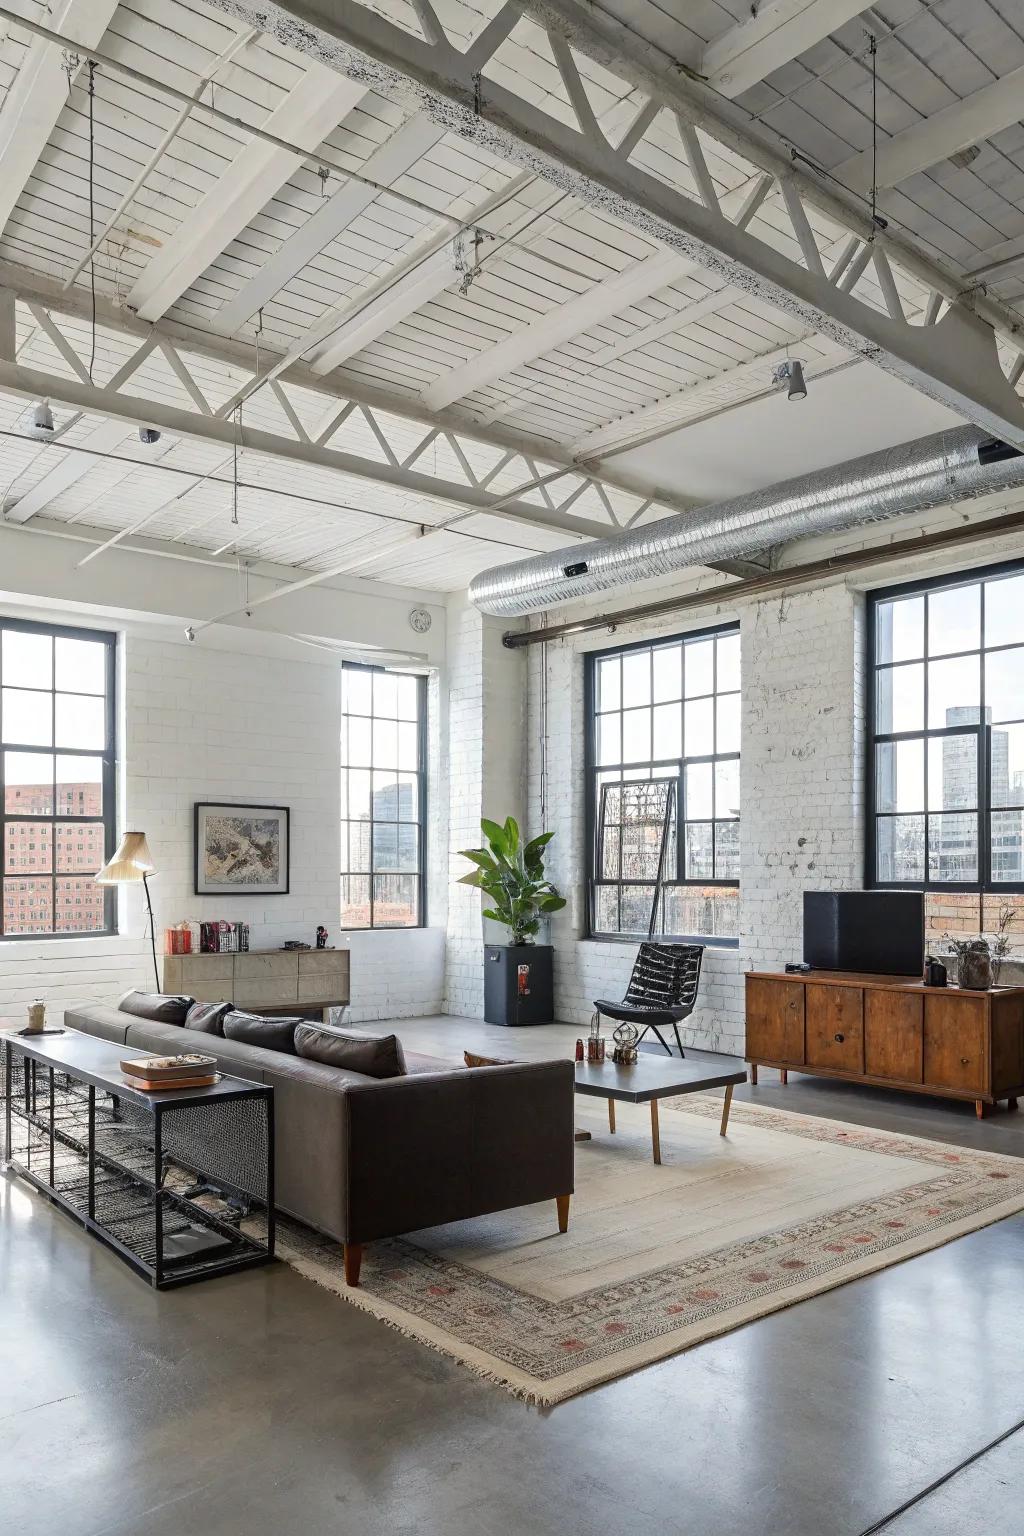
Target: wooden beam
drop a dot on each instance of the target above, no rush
(935, 138)
(39, 94)
(774, 35)
(310, 111)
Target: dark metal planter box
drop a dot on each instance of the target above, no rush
(518, 984)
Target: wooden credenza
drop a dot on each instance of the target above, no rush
(891, 1031)
(268, 980)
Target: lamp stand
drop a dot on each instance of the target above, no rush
(152, 929)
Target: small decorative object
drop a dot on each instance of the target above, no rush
(154, 1073)
(295, 944)
(626, 1037)
(420, 621)
(579, 1050)
(1003, 945)
(321, 937)
(178, 939)
(973, 963)
(241, 850)
(934, 972)
(600, 1048)
(36, 1019)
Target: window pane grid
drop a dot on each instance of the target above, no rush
(383, 759)
(946, 765)
(672, 707)
(56, 779)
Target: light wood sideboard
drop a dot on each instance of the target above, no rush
(267, 980)
(890, 1031)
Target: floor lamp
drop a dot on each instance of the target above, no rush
(132, 861)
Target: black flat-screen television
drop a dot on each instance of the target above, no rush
(874, 931)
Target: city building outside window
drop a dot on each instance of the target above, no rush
(669, 712)
(57, 779)
(945, 780)
(383, 798)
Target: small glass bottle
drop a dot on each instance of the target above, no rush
(579, 1050)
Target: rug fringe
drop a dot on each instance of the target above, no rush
(363, 1302)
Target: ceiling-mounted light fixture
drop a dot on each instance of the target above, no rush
(149, 435)
(791, 372)
(41, 424)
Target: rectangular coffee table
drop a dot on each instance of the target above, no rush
(651, 1080)
(180, 1182)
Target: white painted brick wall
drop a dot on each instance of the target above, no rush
(204, 724)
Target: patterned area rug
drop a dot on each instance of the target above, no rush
(658, 1259)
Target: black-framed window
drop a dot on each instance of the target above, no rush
(57, 761)
(667, 709)
(383, 798)
(945, 775)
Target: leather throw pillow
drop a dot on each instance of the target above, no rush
(159, 1007)
(208, 1018)
(272, 1034)
(372, 1055)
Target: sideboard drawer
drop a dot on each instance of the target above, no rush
(835, 1028)
(192, 971)
(280, 966)
(954, 1042)
(775, 1020)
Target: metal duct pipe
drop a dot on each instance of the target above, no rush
(929, 472)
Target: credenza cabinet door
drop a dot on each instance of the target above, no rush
(775, 1020)
(835, 1028)
(955, 1027)
(894, 1036)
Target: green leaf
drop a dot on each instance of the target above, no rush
(495, 835)
(512, 834)
(477, 856)
(552, 904)
(473, 878)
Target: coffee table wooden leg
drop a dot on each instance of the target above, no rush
(726, 1108)
(655, 1131)
(611, 1116)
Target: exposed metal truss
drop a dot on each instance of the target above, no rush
(404, 461)
(954, 360)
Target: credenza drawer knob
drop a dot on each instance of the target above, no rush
(965, 1061)
(840, 1039)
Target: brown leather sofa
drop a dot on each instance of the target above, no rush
(362, 1158)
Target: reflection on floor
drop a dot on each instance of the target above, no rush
(261, 1404)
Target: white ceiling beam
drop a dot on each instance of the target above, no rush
(415, 138)
(771, 37)
(39, 94)
(312, 109)
(31, 384)
(954, 362)
(562, 323)
(70, 469)
(988, 111)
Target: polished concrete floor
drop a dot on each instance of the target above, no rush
(261, 1404)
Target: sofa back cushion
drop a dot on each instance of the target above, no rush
(208, 1018)
(352, 1049)
(161, 1007)
(273, 1034)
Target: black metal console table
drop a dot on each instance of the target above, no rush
(180, 1183)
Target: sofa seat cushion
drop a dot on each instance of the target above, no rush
(161, 1007)
(376, 1056)
(99, 1019)
(207, 1018)
(268, 1032)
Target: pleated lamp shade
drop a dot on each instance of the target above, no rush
(131, 861)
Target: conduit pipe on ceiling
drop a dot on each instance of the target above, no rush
(929, 472)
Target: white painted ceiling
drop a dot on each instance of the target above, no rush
(239, 254)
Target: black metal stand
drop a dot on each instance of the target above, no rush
(152, 930)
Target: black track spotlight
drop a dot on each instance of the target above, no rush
(41, 423)
(791, 372)
(149, 435)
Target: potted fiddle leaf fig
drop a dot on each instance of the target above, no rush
(518, 979)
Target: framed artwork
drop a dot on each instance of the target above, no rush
(241, 850)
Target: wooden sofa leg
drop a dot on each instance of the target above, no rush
(353, 1262)
(562, 1202)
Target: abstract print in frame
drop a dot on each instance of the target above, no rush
(241, 850)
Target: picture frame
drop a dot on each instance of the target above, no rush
(241, 850)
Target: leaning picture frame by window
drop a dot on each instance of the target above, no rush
(241, 850)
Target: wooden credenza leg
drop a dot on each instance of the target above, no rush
(1011, 1103)
(783, 1075)
(979, 1108)
(753, 1073)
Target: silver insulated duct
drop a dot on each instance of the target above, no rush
(929, 472)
